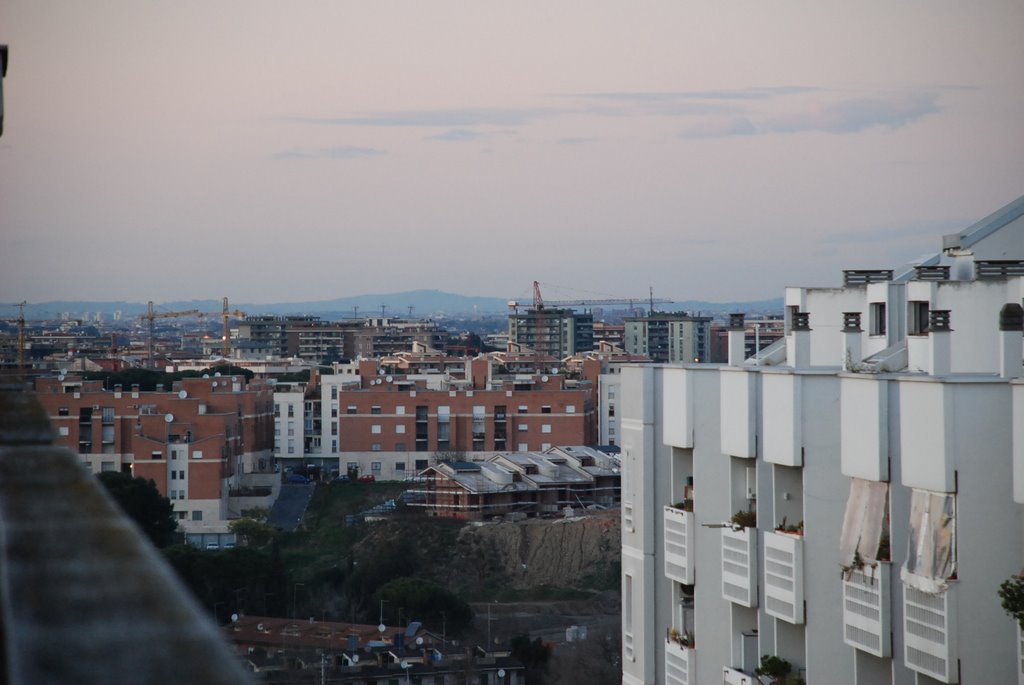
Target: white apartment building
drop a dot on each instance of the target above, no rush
(881, 445)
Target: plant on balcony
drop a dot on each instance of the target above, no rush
(684, 639)
(884, 551)
(1011, 594)
(684, 505)
(744, 519)
(775, 667)
(795, 529)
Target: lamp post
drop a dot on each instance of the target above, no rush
(295, 598)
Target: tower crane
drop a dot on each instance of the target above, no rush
(21, 332)
(539, 303)
(152, 315)
(227, 331)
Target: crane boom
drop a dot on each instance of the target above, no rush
(540, 303)
(151, 315)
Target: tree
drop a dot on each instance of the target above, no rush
(142, 502)
(255, 532)
(422, 600)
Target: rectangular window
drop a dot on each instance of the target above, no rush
(545, 409)
(570, 409)
(375, 468)
(523, 409)
(181, 515)
(400, 447)
(421, 464)
(876, 315)
(197, 515)
(545, 446)
(334, 412)
(400, 466)
(523, 427)
(917, 317)
(375, 447)
(181, 475)
(334, 392)
(545, 428)
(400, 429)
(63, 411)
(523, 447)
(291, 410)
(375, 429)
(400, 410)
(351, 465)
(155, 454)
(174, 475)
(277, 409)
(350, 409)
(375, 409)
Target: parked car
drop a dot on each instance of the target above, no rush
(368, 478)
(296, 478)
(343, 478)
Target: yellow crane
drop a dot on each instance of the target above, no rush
(152, 315)
(227, 331)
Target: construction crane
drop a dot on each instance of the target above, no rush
(539, 303)
(227, 331)
(152, 315)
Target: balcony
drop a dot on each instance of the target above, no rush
(784, 576)
(866, 610)
(732, 676)
(680, 668)
(679, 532)
(928, 646)
(739, 566)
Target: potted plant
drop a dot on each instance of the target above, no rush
(684, 505)
(744, 519)
(1011, 595)
(774, 667)
(794, 529)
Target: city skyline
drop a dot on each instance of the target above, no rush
(330, 149)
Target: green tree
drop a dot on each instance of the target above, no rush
(422, 600)
(140, 500)
(254, 532)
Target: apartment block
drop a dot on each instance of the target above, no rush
(206, 442)
(554, 332)
(669, 337)
(849, 500)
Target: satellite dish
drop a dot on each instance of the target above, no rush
(543, 379)
(182, 394)
(419, 640)
(215, 384)
(217, 374)
(234, 617)
(382, 627)
(206, 375)
(501, 672)
(389, 379)
(405, 664)
(259, 627)
(168, 418)
(355, 658)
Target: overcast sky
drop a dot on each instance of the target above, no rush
(274, 151)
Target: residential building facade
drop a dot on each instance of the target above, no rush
(554, 332)
(206, 443)
(669, 337)
(848, 501)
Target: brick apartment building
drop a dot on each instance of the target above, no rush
(207, 443)
(363, 414)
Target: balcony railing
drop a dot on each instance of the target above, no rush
(679, 534)
(680, 668)
(928, 642)
(784, 576)
(732, 676)
(867, 615)
(739, 566)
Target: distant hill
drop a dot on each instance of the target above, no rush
(425, 304)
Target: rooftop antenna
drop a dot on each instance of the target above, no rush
(382, 308)
(356, 315)
(652, 300)
(411, 308)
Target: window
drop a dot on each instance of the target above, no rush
(546, 409)
(400, 466)
(334, 412)
(400, 429)
(421, 464)
(156, 454)
(107, 466)
(291, 429)
(351, 465)
(523, 427)
(291, 410)
(63, 411)
(197, 515)
(375, 409)
(181, 515)
(174, 475)
(400, 410)
(611, 410)
(917, 317)
(375, 429)
(375, 447)
(181, 475)
(570, 409)
(63, 430)
(277, 409)
(865, 521)
(400, 447)
(545, 428)
(545, 446)
(350, 409)
(523, 409)
(877, 318)
(523, 447)
(334, 445)
(375, 468)
(334, 392)
(611, 392)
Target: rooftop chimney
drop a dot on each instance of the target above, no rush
(938, 337)
(852, 331)
(737, 339)
(1011, 326)
(798, 342)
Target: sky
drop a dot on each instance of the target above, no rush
(276, 152)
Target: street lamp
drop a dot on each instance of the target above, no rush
(295, 598)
